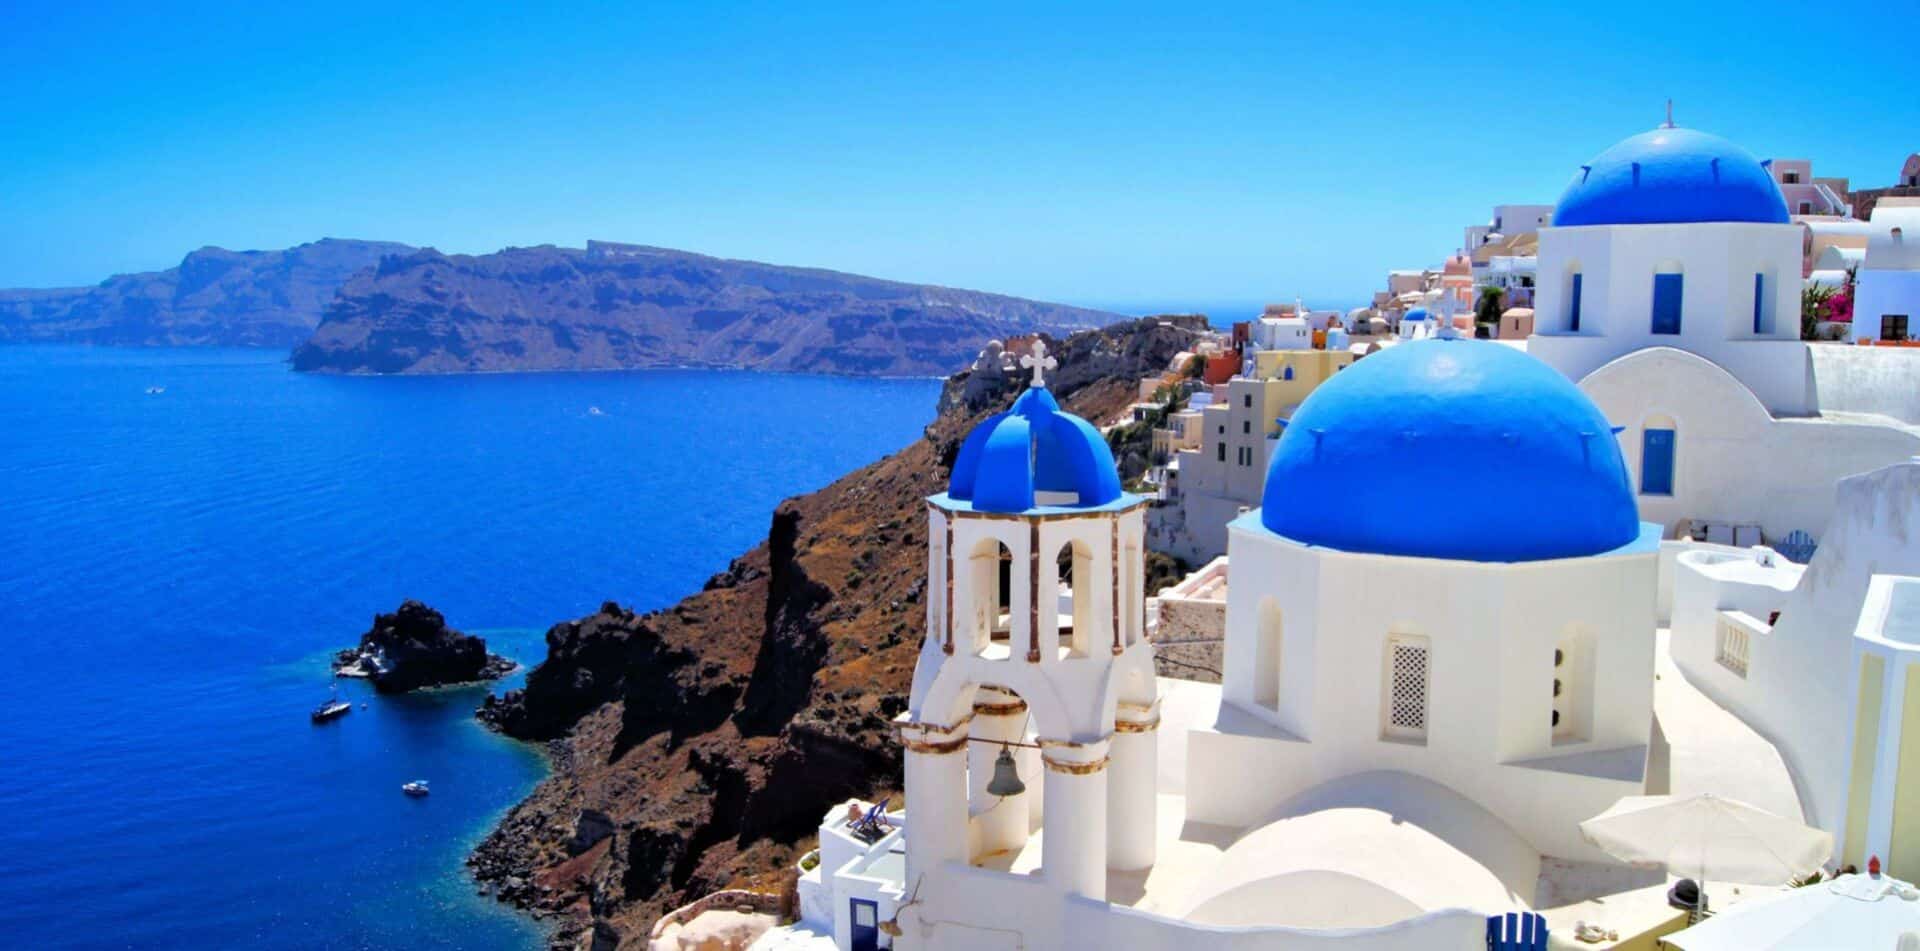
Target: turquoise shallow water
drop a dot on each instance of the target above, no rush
(176, 567)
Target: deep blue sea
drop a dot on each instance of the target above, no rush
(175, 568)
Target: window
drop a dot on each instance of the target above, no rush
(1759, 304)
(1806, 208)
(1247, 401)
(1246, 426)
(1893, 327)
(1406, 688)
(1730, 646)
(1573, 305)
(1266, 656)
(1790, 178)
(1667, 289)
(1656, 461)
(1222, 447)
(1286, 373)
(1572, 701)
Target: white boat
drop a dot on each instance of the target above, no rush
(416, 788)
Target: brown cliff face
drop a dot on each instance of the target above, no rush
(615, 306)
(697, 747)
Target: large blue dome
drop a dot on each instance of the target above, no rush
(1032, 448)
(1670, 176)
(1462, 449)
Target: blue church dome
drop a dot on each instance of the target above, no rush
(1466, 449)
(1418, 313)
(1032, 448)
(1670, 176)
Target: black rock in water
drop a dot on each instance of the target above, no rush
(413, 647)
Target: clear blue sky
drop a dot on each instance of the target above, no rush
(1158, 154)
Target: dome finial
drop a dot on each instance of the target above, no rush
(1039, 362)
(1669, 124)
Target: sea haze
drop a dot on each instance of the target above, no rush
(175, 567)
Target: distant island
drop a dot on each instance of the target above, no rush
(214, 298)
(614, 306)
(378, 307)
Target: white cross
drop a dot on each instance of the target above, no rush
(1039, 362)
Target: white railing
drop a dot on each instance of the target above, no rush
(1733, 640)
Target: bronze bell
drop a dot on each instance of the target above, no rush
(1006, 779)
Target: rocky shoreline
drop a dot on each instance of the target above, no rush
(413, 648)
(695, 748)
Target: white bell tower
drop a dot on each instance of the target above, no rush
(1036, 645)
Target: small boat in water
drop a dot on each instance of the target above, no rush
(332, 709)
(416, 788)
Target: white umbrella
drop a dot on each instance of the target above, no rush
(1708, 836)
(1852, 911)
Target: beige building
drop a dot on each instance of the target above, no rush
(1224, 475)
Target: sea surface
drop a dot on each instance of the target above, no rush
(177, 565)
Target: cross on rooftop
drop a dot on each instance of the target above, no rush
(1039, 362)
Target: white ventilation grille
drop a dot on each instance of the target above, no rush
(1407, 688)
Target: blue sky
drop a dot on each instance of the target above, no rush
(1108, 154)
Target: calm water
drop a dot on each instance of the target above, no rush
(175, 568)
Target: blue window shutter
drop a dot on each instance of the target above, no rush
(1656, 462)
(1759, 294)
(1573, 316)
(1666, 303)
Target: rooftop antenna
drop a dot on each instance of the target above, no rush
(1669, 124)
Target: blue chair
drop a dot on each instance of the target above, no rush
(1517, 931)
(1798, 546)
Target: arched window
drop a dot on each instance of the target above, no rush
(989, 616)
(1077, 603)
(1287, 373)
(1403, 713)
(1266, 655)
(1658, 446)
(1669, 289)
(1573, 303)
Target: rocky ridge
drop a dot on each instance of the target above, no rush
(215, 297)
(613, 306)
(695, 748)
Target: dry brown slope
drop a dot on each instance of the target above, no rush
(698, 746)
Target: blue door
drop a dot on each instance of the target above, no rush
(1656, 462)
(865, 933)
(1666, 303)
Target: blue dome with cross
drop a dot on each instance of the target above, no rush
(1468, 450)
(1034, 454)
(1671, 176)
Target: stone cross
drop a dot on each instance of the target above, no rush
(1039, 362)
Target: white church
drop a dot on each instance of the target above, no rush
(1425, 695)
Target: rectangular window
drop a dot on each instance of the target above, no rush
(1223, 451)
(1573, 307)
(1656, 462)
(1667, 290)
(1406, 700)
(1806, 208)
(1893, 327)
(1759, 305)
(1247, 401)
(1246, 426)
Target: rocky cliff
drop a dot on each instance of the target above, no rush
(215, 297)
(697, 747)
(413, 648)
(616, 305)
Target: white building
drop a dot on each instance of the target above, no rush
(1425, 690)
(1887, 293)
(1675, 238)
(1508, 220)
(1669, 288)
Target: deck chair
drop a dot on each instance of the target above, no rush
(1517, 931)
